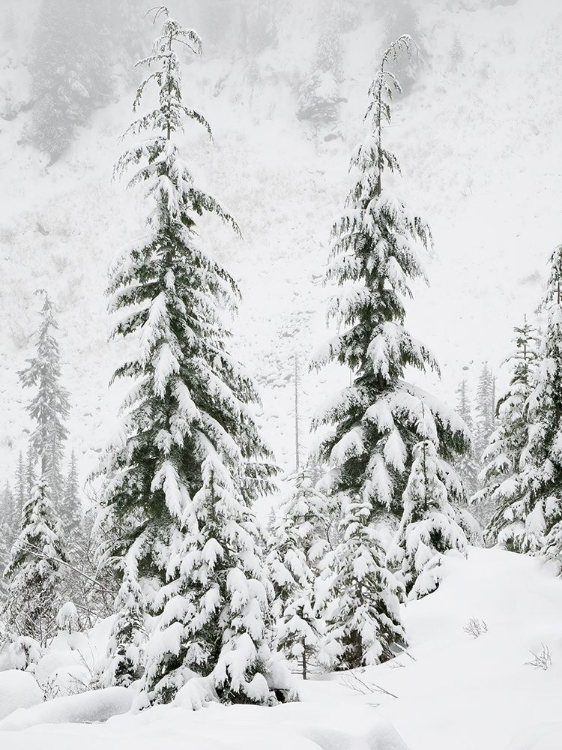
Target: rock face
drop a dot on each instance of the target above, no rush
(18, 690)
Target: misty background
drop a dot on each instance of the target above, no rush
(283, 85)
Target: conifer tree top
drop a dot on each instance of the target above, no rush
(168, 117)
(167, 177)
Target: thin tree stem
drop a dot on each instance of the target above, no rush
(35, 551)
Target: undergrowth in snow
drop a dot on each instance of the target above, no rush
(448, 689)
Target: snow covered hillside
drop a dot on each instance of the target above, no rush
(478, 139)
(453, 688)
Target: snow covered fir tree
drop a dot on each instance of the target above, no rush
(539, 501)
(125, 646)
(34, 571)
(485, 407)
(181, 479)
(71, 502)
(501, 476)
(374, 256)
(360, 599)
(38, 553)
(378, 419)
(8, 524)
(49, 407)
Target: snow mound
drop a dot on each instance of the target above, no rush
(195, 694)
(468, 690)
(381, 736)
(546, 737)
(99, 705)
(18, 690)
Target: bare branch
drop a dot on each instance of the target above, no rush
(35, 551)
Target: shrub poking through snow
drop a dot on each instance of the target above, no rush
(180, 480)
(428, 529)
(475, 627)
(541, 659)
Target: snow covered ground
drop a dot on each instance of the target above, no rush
(450, 690)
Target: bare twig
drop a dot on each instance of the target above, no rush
(405, 651)
(354, 682)
(475, 627)
(38, 553)
(542, 659)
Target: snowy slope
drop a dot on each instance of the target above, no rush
(479, 143)
(450, 690)
(480, 691)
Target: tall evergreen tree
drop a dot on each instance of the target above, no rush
(467, 463)
(21, 491)
(71, 505)
(7, 532)
(34, 570)
(9, 513)
(375, 254)
(181, 479)
(429, 528)
(485, 410)
(501, 476)
(377, 420)
(30, 471)
(485, 424)
(34, 594)
(541, 481)
(50, 406)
